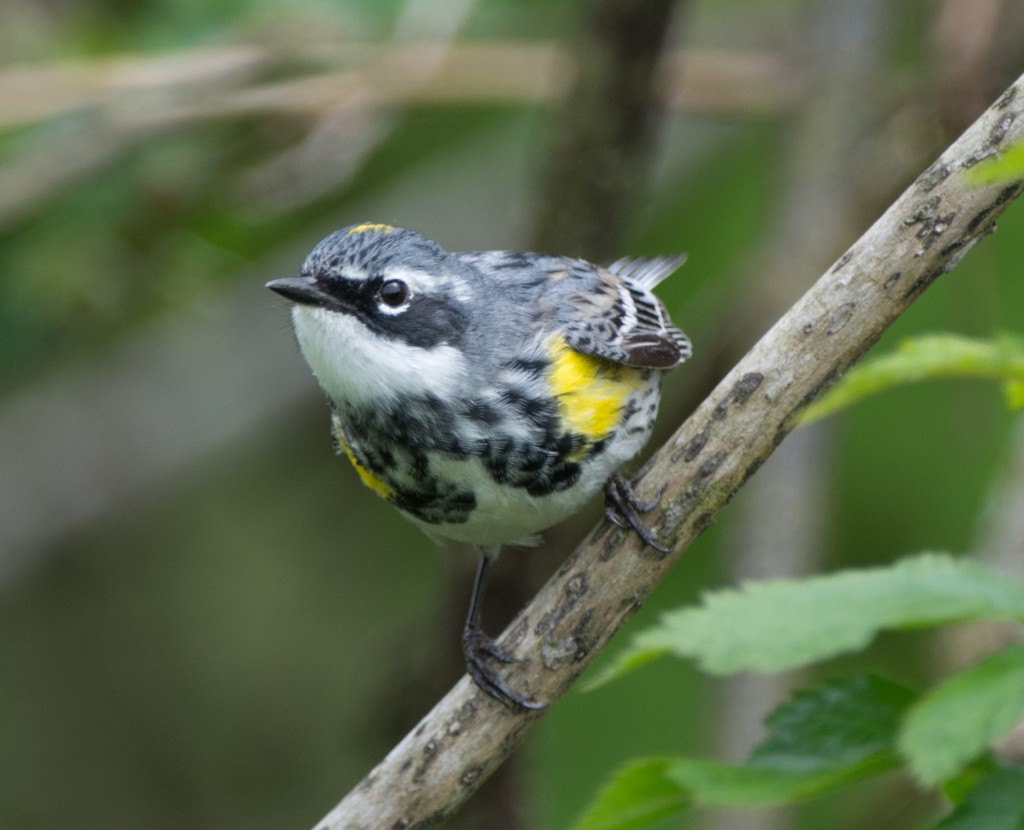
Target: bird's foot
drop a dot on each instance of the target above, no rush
(478, 647)
(623, 507)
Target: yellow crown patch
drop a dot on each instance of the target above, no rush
(369, 226)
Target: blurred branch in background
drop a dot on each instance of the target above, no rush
(116, 104)
(977, 44)
(601, 155)
(113, 105)
(142, 90)
(421, 73)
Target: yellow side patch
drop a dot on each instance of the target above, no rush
(370, 479)
(369, 226)
(590, 390)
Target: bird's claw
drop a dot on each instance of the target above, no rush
(623, 507)
(477, 647)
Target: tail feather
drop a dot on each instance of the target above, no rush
(645, 272)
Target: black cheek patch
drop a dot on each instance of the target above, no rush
(428, 322)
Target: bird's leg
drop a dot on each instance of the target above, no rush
(477, 646)
(623, 507)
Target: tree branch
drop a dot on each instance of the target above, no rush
(922, 235)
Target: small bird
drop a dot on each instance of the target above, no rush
(487, 395)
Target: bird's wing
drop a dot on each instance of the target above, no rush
(608, 312)
(615, 315)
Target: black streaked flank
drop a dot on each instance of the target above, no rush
(535, 366)
(483, 413)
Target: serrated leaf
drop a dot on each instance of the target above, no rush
(821, 740)
(922, 358)
(996, 802)
(964, 715)
(841, 722)
(715, 784)
(637, 795)
(772, 626)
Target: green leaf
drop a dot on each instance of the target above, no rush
(996, 802)
(841, 722)
(628, 660)
(637, 795)
(955, 789)
(821, 740)
(715, 784)
(922, 358)
(772, 626)
(961, 717)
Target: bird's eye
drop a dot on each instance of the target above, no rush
(393, 293)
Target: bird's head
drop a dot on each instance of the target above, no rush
(379, 311)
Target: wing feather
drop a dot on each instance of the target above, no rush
(624, 321)
(608, 312)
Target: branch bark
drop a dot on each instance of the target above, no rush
(922, 235)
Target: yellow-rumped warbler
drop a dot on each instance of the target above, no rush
(487, 395)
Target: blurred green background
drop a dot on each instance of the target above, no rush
(205, 621)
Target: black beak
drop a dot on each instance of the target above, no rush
(302, 290)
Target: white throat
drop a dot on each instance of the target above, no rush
(353, 364)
